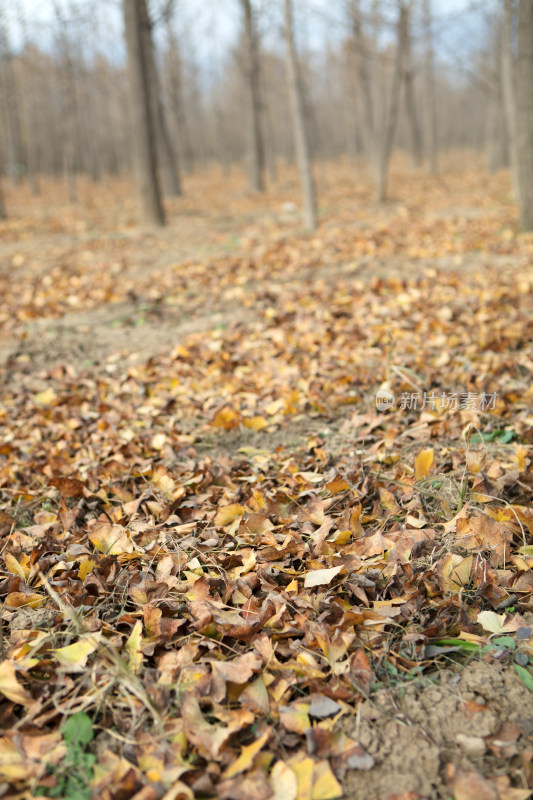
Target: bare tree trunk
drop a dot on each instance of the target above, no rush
(498, 144)
(186, 155)
(430, 105)
(508, 89)
(363, 78)
(143, 127)
(256, 153)
(14, 128)
(410, 104)
(3, 213)
(391, 109)
(166, 150)
(301, 143)
(524, 113)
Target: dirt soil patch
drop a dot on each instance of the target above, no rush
(479, 720)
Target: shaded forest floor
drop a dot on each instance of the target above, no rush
(232, 572)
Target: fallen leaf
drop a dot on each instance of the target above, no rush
(320, 577)
(10, 687)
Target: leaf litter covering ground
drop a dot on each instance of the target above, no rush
(233, 574)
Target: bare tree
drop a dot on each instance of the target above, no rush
(508, 88)
(143, 127)
(524, 113)
(256, 158)
(175, 87)
(410, 103)
(363, 62)
(393, 104)
(12, 108)
(166, 149)
(3, 214)
(498, 140)
(301, 142)
(429, 91)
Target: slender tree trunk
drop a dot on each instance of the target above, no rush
(3, 213)
(524, 113)
(270, 150)
(410, 103)
(498, 145)
(301, 143)
(508, 89)
(142, 122)
(430, 104)
(176, 101)
(256, 154)
(166, 150)
(16, 145)
(363, 78)
(391, 109)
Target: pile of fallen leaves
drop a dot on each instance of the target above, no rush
(215, 558)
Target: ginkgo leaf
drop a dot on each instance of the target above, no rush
(74, 656)
(10, 687)
(321, 577)
(284, 782)
(423, 463)
(111, 539)
(255, 423)
(246, 758)
(45, 398)
(14, 567)
(133, 647)
(226, 514)
(24, 599)
(495, 623)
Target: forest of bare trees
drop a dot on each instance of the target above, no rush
(295, 81)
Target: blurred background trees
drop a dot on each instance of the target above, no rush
(362, 79)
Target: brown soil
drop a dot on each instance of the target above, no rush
(413, 731)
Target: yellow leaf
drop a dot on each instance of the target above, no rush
(22, 599)
(303, 769)
(226, 514)
(388, 501)
(325, 784)
(158, 441)
(110, 539)
(74, 656)
(246, 758)
(10, 687)
(255, 423)
(340, 537)
(454, 572)
(226, 418)
(14, 567)
(295, 718)
(337, 485)
(46, 398)
(423, 463)
(133, 647)
(86, 567)
(283, 782)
